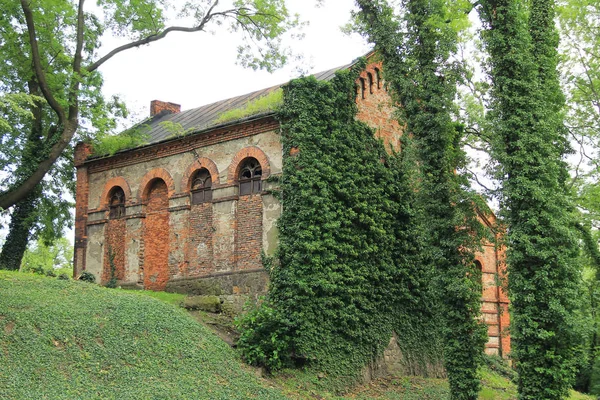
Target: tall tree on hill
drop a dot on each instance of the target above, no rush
(416, 48)
(53, 45)
(529, 145)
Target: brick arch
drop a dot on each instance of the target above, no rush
(156, 173)
(202, 162)
(110, 185)
(252, 151)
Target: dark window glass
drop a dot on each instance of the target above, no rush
(370, 79)
(201, 187)
(250, 177)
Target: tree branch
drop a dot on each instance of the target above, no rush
(74, 91)
(153, 38)
(37, 64)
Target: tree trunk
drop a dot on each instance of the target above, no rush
(23, 219)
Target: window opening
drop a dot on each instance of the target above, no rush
(117, 204)
(362, 88)
(250, 177)
(378, 77)
(370, 79)
(201, 187)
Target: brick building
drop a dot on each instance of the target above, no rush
(193, 212)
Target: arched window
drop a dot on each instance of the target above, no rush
(378, 77)
(362, 87)
(250, 177)
(201, 187)
(116, 203)
(370, 79)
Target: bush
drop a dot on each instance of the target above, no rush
(265, 337)
(64, 277)
(87, 277)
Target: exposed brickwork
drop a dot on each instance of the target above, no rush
(375, 107)
(157, 106)
(156, 173)
(114, 241)
(199, 246)
(82, 191)
(255, 152)
(248, 233)
(156, 237)
(184, 145)
(202, 162)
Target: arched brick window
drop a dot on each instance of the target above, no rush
(116, 203)
(362, 87)
(250, 176)
(479, 270)
(201, 187)
(370, 79)
(378, 77)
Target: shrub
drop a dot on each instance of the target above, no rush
(87, 277)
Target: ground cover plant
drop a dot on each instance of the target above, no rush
(69, 339)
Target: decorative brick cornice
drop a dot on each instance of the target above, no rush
(183, 145)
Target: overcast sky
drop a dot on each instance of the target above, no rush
(199, 68)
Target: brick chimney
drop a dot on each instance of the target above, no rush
(157, 106)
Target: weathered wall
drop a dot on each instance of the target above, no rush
(156, 272)
(163, 237)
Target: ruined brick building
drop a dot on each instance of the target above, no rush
(193, 212)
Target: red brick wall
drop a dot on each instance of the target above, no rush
(114, 240)
(157, 106)
(199, 246)
(82, 151)
(376, 110)
(248, 232)
(156, 237)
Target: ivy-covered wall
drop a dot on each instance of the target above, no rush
(350, 269)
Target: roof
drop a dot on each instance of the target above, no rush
(206, 117)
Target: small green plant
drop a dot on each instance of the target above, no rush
(87, 277)
(107, 145)
(265, 337)
(268, 102)
(64, 277)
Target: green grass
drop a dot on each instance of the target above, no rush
(268, 102)
(299, 385)
(68, 339)
(175, 299)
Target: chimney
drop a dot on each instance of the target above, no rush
(157, 106)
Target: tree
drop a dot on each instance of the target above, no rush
(416, 48)
(56, 258)
(50, 88)
(60, 40)
(528, 145)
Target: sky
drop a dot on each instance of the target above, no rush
(194, 69)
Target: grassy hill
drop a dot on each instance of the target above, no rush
(73, 340)
(66, 339)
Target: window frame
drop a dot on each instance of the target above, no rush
(203, 193)
(251, 184)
